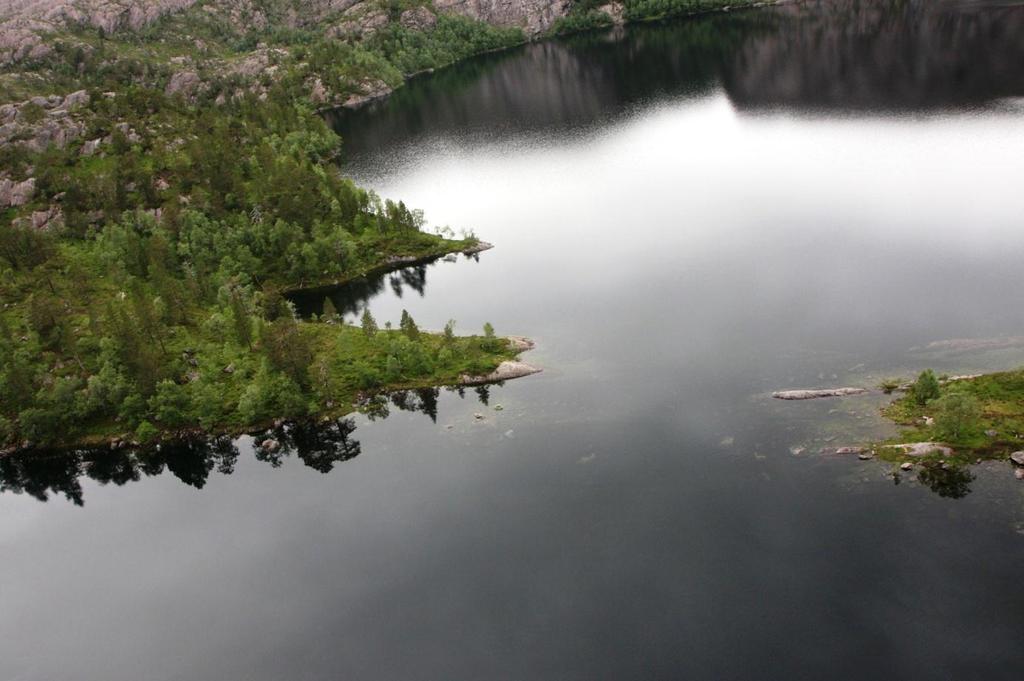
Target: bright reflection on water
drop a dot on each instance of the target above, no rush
(687, 217)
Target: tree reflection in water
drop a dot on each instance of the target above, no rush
(952, 482)
(349, 299)
(321, 446)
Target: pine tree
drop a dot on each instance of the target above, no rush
(242, 321)
(330, 312)
(408, 327)
(369, 324)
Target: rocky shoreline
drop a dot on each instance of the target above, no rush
(507, 370)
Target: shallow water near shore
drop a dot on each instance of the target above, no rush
(687, 217)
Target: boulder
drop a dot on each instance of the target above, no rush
(76, 99)
(91, 146)
(184, 83)
(1017, 458)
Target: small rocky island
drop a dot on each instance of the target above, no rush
(947, 421)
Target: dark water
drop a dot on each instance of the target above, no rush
(687, 216)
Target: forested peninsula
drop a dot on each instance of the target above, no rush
(167, 177)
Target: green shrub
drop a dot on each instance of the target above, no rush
(170, 404)
(956, 415)
(583, 21)
(925, 388)
(6, 430)
(146, 432)
(889, 385)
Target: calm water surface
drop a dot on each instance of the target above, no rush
(687, 216)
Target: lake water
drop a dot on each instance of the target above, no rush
(686, 217)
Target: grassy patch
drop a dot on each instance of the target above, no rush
(992, 430)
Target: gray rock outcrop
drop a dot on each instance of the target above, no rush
(506, 371)
(923, 448)
(817, 393)
(14, 194)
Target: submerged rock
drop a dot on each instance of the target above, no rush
(817, 393)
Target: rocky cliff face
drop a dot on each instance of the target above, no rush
(25, 23)
(533, 16)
